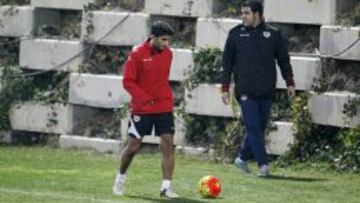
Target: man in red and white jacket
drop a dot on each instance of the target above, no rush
(146, 78)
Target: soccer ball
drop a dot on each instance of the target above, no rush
(209, 186)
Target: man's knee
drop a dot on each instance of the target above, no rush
(167, 140)
(133, 145)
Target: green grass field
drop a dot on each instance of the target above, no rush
(29, 174)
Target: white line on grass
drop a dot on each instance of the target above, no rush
(55, 195)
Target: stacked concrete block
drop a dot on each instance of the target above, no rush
(179, 137)
(340, 42)
(279, 141)
(49, 118)
(102, 91)
(16, 21)
(206, 100)
(55, 118)
(327, 109)
(115, 28)
(317, 12)
(46, 54)
(211, 32)
(61, 4)
(198, 8)
(181, 63)
(305, 69)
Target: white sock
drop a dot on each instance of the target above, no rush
(165, 184)
(120, 177)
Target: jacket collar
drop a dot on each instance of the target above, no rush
(149, 47)
(260, 26)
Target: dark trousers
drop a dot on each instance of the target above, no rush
(255, 112)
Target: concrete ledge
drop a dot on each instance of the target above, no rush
(182, 62)
(5, 137)
(198, 8)
(327, 109)
(197, 152)
(46, 54)
(334, 40)
(212, 32)
(61, 4)
(103, 91)
(17, 21)
(206, 100)
(97, 144)
(294, 11)
(305, 70)
(57, 118)
(279, 141)
(132, 31)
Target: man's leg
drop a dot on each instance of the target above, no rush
(127, 155)
(139, 125)
(165, 127)
(265, 106)
(251, 113)
(167, 147)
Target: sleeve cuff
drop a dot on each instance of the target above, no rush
(290, 81)
(225, 87)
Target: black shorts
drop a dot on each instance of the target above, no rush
(142, 124)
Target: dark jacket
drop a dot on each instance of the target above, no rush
(250, 55)
(146, 78)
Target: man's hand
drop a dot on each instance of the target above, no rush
(225, 96)
(291, 92)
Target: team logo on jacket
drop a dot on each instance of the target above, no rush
(244, 97)
(266, 34)
(136, 118)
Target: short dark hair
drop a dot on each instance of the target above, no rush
(161, 28)
(255, 6)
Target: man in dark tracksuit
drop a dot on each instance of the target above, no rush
(250, 53)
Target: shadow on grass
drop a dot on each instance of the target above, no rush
(289, 178)
(181, 199)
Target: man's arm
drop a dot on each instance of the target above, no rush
(130, 78)
(283, 60)
(227, 68)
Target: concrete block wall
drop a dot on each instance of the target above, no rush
(212, 32)
(47, 54)
(115, 28)
(327, 109)
(101, 91)
(317, 12)
(305, 69)
(206, 100)
(61, 4)
(98, 144)
(49, 118)
(280, 140)
(335, 41)
(181, 63)
(198, 8)
(36, 118)
(16, 21)
(105, 91)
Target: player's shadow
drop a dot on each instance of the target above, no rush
(290, 178)
(180, 200)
